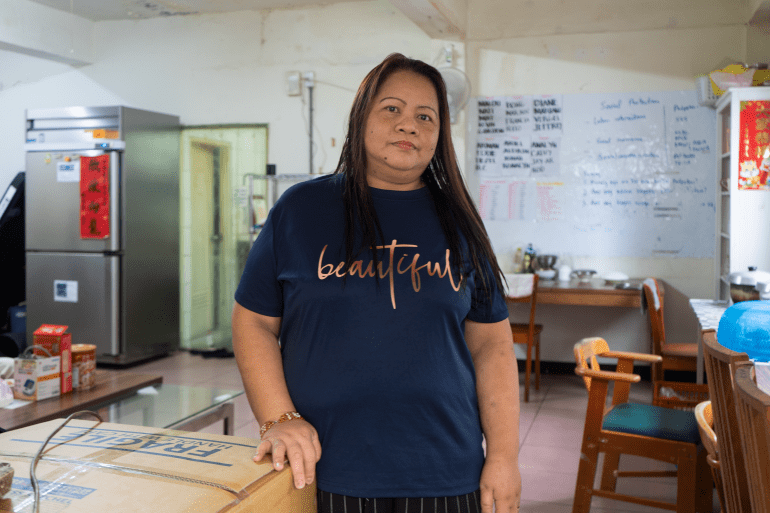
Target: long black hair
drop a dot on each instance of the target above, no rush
(442, 177)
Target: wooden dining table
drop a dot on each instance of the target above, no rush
(708, 312)
(595, 292)
(574, 309)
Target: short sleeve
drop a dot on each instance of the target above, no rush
(487, 306)
(259, 289)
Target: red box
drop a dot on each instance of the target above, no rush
(59, 343)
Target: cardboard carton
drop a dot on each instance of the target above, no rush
(36, 378)
(59, 343)
(92, 466)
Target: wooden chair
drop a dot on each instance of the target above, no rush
(705, 417)
(675, 356)
(720, 366)
(644, 430)
(753, 409)
(528, 333)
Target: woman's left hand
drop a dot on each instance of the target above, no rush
(500, 485)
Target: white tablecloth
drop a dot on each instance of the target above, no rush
(709, 312)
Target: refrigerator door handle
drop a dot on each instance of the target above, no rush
(115, 213)
(115, 305)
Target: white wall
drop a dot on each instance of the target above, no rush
(39, 83)
(611, 62)
(226, 68)
(30, 28)
(616, 60)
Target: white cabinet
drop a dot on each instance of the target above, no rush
(743, 191)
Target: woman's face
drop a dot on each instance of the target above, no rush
(401, 131)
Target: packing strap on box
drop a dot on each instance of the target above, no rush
(102, 466)
(109, 466)
(128, 470)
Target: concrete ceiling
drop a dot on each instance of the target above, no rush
(101, 10)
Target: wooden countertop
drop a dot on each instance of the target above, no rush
(592, 293)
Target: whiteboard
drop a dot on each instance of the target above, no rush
(604, 175)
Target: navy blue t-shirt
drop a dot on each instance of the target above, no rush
(380, 369)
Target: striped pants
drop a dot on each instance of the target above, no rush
(333, 503)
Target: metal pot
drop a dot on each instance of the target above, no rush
(749, 285)
(545, 262)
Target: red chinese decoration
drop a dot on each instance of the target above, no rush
(754, 145)
(95, 197)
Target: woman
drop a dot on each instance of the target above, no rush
(395, 350)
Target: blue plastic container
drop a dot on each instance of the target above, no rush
(745, 328)
(18, 315)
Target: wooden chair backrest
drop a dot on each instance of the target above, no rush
(753, 407)
(720, 365)
(531, 299)
(704, 414)
(585, 355)
(657, 327)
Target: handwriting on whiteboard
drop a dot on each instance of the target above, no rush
(628, 174)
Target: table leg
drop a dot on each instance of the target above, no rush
(224, 411)
(699, 360)
(699, 363)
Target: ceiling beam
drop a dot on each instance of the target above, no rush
(32, 29)
(440, 19)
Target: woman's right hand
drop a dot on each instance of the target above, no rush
(296, 440)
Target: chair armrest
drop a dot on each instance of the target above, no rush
(641, 357)
(607, 375)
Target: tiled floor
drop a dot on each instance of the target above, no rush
(551, 428)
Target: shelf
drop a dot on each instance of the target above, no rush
(736, 224)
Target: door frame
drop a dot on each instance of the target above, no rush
(231, 236)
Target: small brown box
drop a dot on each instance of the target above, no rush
(58, 343)
(83, 366)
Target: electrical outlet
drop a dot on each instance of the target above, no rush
(293, 83)
(309, 78)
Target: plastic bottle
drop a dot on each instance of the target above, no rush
(518, 262)
(529, 256)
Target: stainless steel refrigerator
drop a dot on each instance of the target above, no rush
(119, 292)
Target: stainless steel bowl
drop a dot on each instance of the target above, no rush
(546, 261)
(583, 275)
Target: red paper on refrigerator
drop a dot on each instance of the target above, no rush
(95, 197)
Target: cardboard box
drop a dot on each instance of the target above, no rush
(92, 466)
(36, 378)
(59, 343)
